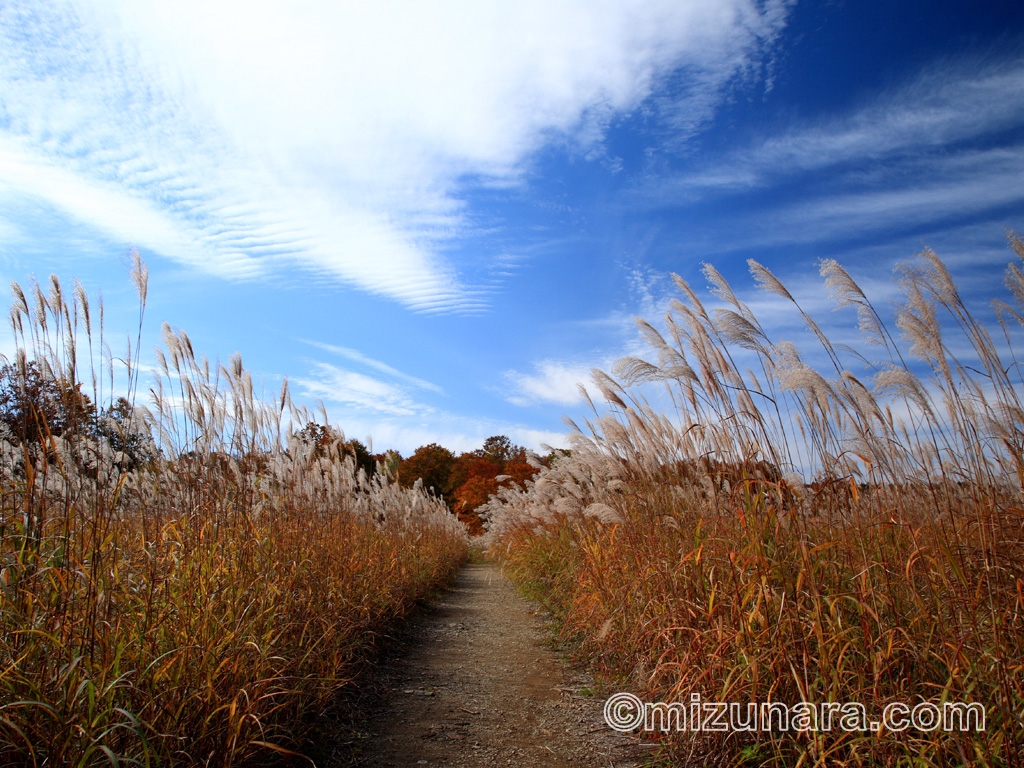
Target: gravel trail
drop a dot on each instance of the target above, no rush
(472, 682)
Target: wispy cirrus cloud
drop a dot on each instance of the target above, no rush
(550, 382)
(89, 127)
(379, 389)
(358, 357)
(387, 412)
(940, 151)
(348, 388)
(246, 139)
(934, 112)
(953, 192)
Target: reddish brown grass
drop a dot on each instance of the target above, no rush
(681, 565)
(205, 607)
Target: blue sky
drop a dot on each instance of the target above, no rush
(438, 217)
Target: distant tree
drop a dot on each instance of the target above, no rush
(389, 462)
(126, 434)
(518, 469)
(364, 459)
(469, 480)
(431, 463)
(499, 448)
(320, 439)
(316, 439)
(472, 463)
(476, 477)
(470, 495)
(460, 472)
(34, 405)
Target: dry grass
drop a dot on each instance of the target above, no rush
(204, 607)
(684, 554)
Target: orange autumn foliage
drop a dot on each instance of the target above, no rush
(469, 480)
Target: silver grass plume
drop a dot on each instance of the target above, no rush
(845, 291)
(766, 281)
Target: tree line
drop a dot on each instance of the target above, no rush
(37, 406)
(464, 481)
(468, 480)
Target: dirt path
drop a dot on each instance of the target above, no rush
(474, 684)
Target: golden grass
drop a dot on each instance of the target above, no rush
(685, 556)
(205, 607)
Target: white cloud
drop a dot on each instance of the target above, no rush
(125, 216)
(246, 137)
(337, 385)
(377, 365)
(973, 184)
(395, 87)
(939, 151)
(552, 381)
(943, 105)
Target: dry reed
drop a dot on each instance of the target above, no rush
(198, 604)
(685, 554)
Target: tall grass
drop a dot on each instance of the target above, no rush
(201, 606)
(685, 553)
